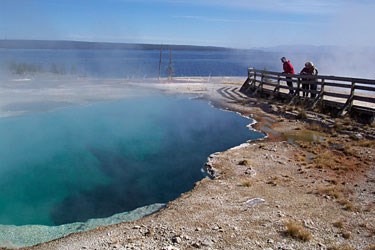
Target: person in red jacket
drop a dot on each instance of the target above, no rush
(288, 69)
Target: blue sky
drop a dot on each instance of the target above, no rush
(235, 23)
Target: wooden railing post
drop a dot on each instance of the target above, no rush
(248, 84)
(254, 77)
(296, 92)
(277, 88)
(298, 86)
(260, 86)
(261, 82)
(349, 102)
(320, 95)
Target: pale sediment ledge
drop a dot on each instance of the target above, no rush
(309, 185)
(29, 235)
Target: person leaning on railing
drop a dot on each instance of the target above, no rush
(288, 69)
(309, 84)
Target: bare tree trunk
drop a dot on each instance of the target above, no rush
(161, 52)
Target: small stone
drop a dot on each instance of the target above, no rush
(145, 231)
(176, 239)
(254, 201)
(136, 227)
(207, 243)
(198, 229)
(358, 136)
(270, 241)
(321, 245)
(170, 248)
(196, 245)
(250, 172)
(280, 214)
(117, 246)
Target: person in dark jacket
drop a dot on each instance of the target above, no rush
(288, 69)
(309, 84)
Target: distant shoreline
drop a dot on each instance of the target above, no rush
(62, 44)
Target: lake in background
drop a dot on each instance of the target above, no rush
(135, 63)
(144, 63)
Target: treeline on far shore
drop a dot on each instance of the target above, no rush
(50, 44)
(33, 68)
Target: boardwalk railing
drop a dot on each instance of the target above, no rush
(343, 93)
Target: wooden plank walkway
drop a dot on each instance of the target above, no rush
(355, 96)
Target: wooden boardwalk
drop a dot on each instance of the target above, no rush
(342, 95)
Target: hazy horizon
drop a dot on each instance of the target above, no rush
(275, 48)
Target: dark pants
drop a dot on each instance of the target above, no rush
(290, 84)
(305, 89)
(313, 87)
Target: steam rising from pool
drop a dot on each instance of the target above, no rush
(94, 161)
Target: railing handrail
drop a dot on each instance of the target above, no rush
(325, 77)
(344, 93)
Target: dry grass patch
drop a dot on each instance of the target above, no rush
(341, 247)
(349, 150)
(339, 194)
(338, 224)
(338, 126)
(316, 127)
(297, 231)
(301, 114)
(334, 161)
(369, 207)
(365, 143)
(321, 128)
(300, 157)
(334, 192)
(289, 108)
(304, 145)
(244, 163)
(346, 235)
(326, 160)
(347, 205)
(246, 183)
(347, 121)
(273, 180)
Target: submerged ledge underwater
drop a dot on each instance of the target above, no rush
(111, 135)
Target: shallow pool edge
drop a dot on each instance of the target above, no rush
(29, 235)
